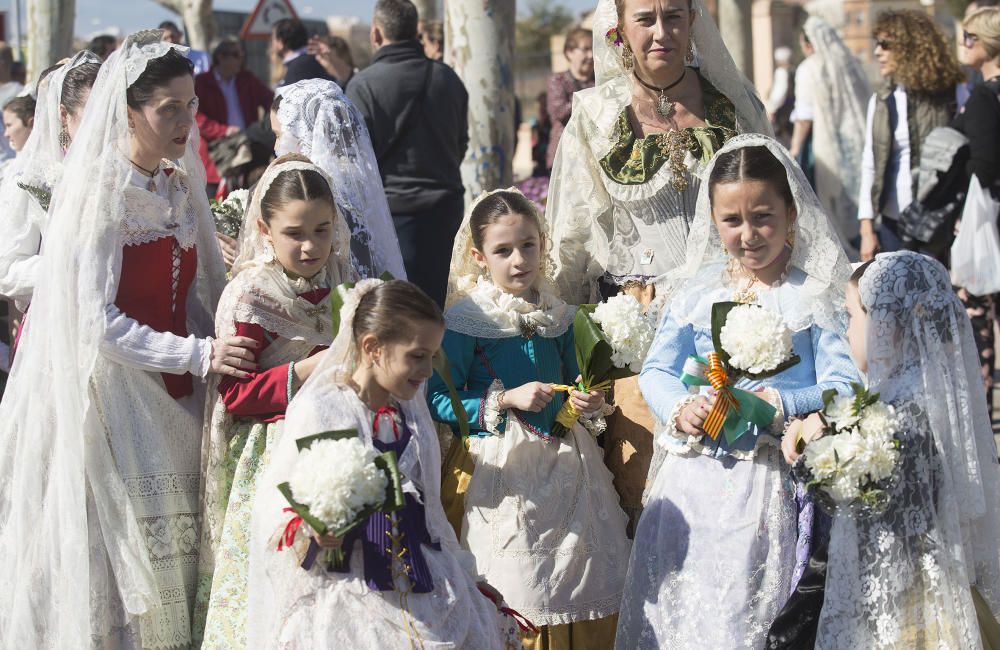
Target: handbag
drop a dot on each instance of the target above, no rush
(975, 255)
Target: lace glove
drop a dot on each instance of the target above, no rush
(494, 418)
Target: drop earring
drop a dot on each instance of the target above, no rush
(628, 57)
(64, 140)
(689, 57)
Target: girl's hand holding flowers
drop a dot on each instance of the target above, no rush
(692, 417)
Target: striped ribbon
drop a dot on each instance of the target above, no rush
(724, 400)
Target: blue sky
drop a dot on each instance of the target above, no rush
(130, 15)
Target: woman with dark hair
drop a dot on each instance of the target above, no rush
(719, 524)
(102, 468)
(920, 72)
(579, 52)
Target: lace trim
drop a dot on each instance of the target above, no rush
(149, 217)
(493, 418)
(773, 398)
(489, 312)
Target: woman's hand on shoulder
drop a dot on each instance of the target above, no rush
(531, 397)
(233, 356)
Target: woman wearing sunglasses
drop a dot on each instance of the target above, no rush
(920, 73)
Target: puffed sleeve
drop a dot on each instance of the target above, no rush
(264, 394)
(834, 369)
(578, 213)
(19, 254)
(660, 379)
(461, 351)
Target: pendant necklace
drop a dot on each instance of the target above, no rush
(664, 105)
(151, 185)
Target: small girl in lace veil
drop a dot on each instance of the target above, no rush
(540, 513)
(408, 583)
(901, 578)
(294, 248)
(715, 547)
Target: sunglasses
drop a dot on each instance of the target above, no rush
(969, 40)
(885, 45)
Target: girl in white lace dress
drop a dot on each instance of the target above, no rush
(714, 551)
(902, 578)
(279, 297)
(408, 584)
(102, 417)
(540, 513)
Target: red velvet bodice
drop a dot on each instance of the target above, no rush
(146, 294)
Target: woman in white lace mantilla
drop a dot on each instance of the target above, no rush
(902, 578)
(28, 186)
(627, 172)
(714, 552)
(831, 93)
(103, 413)
(279, 297)
(408, 583)
(537, 510)
(314, 118)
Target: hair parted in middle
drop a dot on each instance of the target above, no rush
(295, 185)
(751, 164)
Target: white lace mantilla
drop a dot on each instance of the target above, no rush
(149, 216)
(488, 312)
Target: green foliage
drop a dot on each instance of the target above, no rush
(539, 21)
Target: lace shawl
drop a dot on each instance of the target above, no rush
(491, 313)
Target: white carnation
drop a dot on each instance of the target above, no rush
(238, 198)
(840, 412)
(819, 458)
(878, 420)
(756, 340)
(337, 479)
(627, 328)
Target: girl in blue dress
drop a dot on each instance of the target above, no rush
(715, 547)
(540, 513)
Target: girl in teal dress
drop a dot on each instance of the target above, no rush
(538, 511)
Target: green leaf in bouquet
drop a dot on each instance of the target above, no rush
(720, 312)
(829, 395)
(340, 434)
(40, 194)
(303, 511)
(443, 369)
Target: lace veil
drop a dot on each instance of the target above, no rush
(893, 575)
(841, 95)
(318, 121)
(712, 59)
(39, 165)
(325, 403)
(61, 496)
(816, 252)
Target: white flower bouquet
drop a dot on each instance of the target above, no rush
(750, 342)
(228, 214)
(612, 339)
(852, 465)
(337, 482)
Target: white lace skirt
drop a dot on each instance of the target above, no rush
(544, 523)
(715, 551)
(332, 610)
(155, 441)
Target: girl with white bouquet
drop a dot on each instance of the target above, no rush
(528, 490)
(406, 582)
(295, 246)
(715, 550)
(899, 575)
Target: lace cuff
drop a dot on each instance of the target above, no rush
(773, 398)
(670, 426)
(596, 422)
(494, 420)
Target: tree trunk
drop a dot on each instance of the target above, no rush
(736, 25)
(198, 19)
(479, 42)
(50, 33)
(426, 9)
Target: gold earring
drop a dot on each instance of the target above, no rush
(628, 58)
(64, 140)
(790, 236)
(690, 53)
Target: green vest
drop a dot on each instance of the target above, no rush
(924, 113)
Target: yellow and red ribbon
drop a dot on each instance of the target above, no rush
(568, 414)
(724, 400)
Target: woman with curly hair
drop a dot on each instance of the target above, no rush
(919, 68)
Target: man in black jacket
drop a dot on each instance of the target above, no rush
(416, 111)
(288, 42)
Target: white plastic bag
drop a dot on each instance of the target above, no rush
(975, 255)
